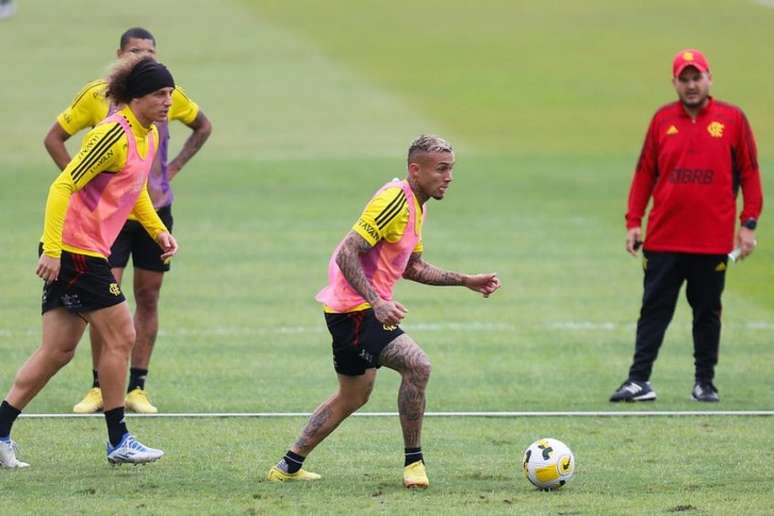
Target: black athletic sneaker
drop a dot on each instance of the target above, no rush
(705, 391)
(634, 391)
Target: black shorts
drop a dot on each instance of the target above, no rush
(85, 283)
(358, 340)
(135, 241)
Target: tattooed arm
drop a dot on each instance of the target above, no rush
(348, 260)
(202, 128)
(422, 272)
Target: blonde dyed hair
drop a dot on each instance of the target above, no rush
(427, 143)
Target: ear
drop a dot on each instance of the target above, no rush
(413, 169)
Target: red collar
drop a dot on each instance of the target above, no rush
(703, 111)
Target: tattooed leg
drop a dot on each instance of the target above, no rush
(353, 393)
(406, 357)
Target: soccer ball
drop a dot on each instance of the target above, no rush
(548, 464)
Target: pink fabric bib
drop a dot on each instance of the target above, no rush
(97, 212)
(383, 265)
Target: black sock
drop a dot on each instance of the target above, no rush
(116, 425)
(413, 455)
(8, 415)
(95, 382)
(137, 379)
(291, 462)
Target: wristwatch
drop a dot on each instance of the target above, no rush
(750, 223)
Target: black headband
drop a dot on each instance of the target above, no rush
(146, 77)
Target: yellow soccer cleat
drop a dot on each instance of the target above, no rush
(277, 475)
(415, 476)
(90, 403)
(137, 401)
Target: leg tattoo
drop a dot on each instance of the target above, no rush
(406, 357)
(318, 427)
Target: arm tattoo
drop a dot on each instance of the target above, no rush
(201, 131)
(348, 260)
(422, 272)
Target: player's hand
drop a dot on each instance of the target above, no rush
(633, 241)
(389, 313)
(172, 170)
(168, 244)
(48, 268)
(484, 284)
(745, 240)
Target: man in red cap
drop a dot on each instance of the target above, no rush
(698, 151)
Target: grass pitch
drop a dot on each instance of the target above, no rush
(313, 105)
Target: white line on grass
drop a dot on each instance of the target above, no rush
(633, 413)
(472, 326)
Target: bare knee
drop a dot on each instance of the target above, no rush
(60, 357)
(420, 370)
(147, 298)
(120, 340)
(353, 401)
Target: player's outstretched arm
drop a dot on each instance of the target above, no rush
(422, 272)
(348, 260)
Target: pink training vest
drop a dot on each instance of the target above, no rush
(97, 212)
(383, 265)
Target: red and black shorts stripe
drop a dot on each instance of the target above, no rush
(85, 284)
(358, 340)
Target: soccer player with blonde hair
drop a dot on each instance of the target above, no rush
(362, 316)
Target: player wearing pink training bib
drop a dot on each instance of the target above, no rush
(87, 206)
(362, 316)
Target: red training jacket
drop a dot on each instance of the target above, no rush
(693, 169)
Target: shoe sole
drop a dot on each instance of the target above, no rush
(633, 400)
(137, 463)
(415, 486)
(131, 408)
(98, 409)
(135, 411)
(283, 480)
(114, 462)
(651, 396)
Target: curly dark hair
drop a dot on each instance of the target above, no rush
(117, 79)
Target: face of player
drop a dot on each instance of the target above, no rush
(692, 87)
(153, 107)
(432, 173)
(139, 47)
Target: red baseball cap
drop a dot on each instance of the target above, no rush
(689, 57)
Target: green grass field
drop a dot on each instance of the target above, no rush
(313, 105)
